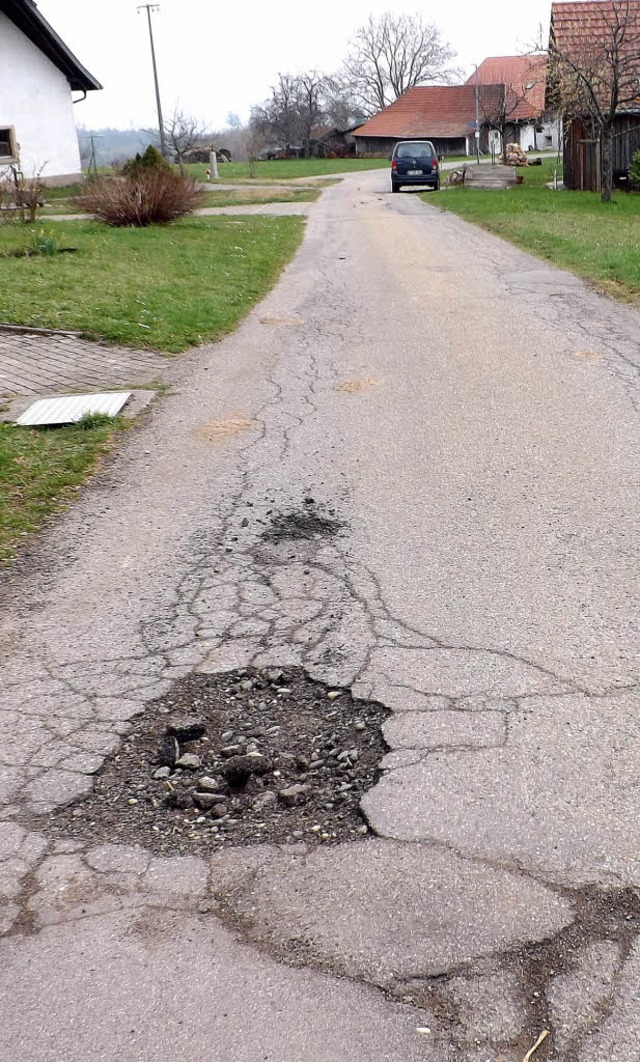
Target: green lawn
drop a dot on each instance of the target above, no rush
(574, 230)
(51, 195)
(287, 169)
(167, 288)
(39, 469)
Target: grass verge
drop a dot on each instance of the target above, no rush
(166, 288)
(574, 230)
(286, 169)
(248, 196)
(39, 470)
(242, 196)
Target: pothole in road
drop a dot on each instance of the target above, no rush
(243, 757)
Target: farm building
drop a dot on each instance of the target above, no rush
(596, 36)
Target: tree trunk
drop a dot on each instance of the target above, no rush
(606, 149)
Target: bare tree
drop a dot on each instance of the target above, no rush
(340, 108)
(392, 54)
(183, 133)
(311, 96)
(595, 73)
(255, 145)
(277, 118)
(296, 105)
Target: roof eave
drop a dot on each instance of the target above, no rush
(25, 15)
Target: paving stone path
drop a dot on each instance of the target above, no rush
(35, 364)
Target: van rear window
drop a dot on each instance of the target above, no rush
(415, 150)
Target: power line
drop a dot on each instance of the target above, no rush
(149, 8)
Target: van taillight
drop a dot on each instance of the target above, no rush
(394, 165)
(434, 163)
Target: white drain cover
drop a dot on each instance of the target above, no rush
(69, 409)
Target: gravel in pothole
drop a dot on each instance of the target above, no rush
(238, 758)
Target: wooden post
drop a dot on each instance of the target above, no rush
(213, 165)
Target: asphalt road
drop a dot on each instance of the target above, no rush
(471, 416)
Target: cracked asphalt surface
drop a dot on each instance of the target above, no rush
(470, 414)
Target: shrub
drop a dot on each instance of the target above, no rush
(634, 171)
(149, 196)
(21, 197)
(150, 160)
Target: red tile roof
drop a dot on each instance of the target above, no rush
(588, 31)
(525, 77)
(579, 25)
(426, 111)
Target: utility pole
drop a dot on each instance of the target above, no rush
(149, 8)
(477, 118)
(93, 162)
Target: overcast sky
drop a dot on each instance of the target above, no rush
(216, 57)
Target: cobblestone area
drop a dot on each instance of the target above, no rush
(34, 364)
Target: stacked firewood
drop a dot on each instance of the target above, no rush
(515, 156)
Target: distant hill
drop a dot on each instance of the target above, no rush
(112, 144)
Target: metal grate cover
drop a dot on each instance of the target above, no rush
(69, 409)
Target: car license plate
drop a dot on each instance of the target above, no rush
(414, 173)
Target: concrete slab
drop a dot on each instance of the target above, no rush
(139, 401)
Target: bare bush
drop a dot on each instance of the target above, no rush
(152, 197)
(21, 197)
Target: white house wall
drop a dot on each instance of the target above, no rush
(35, 99)
(550, 138)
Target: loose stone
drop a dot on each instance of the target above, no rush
(169, 751)
(208, 800)
(189, 762)
(187, 729)
(239, 769)
(208, 784)
(293, 795)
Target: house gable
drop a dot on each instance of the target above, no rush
(25, 15)
(436, 111)
(37, 120)
(524, 77)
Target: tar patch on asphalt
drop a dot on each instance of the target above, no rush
(352, 387)
(220, 430)
(303, 523)
(282, 322)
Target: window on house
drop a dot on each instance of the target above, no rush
(7, 144)
(548, 139)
